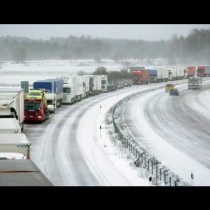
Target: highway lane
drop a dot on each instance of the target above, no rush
(156, 117)
(56, 148)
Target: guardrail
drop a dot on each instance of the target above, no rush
(156, 172)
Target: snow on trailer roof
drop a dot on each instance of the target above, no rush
(7, 124)
(13, 138)
(21, 173)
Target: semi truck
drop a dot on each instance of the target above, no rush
(158, 74)
(74, 88)
(194, 83)
(104, 83)
(86, 85)
(12, 106)
(98, 83)
(140, 77)
(191, 71)
(54, 92)
(15, 143)
(80, 92)
(69, 89)
(92, 85)
(35, 104)
(203, 71)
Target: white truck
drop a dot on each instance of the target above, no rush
(74, 88)
(12, 106)
(98, 84)
(92, 85)
(104, 83)
(86, 85)
(80, 92)
(194, 83)
(15, 143)
(69, 89)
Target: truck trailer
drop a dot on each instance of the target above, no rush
(104, 83)
(54, 92)
(15, 143)
(140, 77)
(12, 104)
(21, 173)
(69, 89)
(203, 71)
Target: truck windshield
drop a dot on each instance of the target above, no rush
(67, 90)
(32, 106)
(49, 102)
(34, 94)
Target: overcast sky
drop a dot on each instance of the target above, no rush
(148, 32)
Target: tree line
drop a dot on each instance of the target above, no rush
(194, 48)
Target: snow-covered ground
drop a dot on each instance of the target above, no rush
(154, 131)
(110, 163)
(35, 70)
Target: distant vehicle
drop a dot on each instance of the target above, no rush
(168, 87)
(104, 83)
(174, 91)
(194, 83)
(203, 71)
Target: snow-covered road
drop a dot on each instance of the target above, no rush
(69, 148)
(175, 129)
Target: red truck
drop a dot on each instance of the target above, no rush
(36, 106)
(191, 71)
(203, 71)
(140, 77)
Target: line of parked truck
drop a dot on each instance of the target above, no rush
(19, 105)
(142, 75)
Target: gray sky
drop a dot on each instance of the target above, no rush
(148, 32)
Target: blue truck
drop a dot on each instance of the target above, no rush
(54, 92)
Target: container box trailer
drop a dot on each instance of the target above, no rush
(140, 77)
(158, 75)
(15, 143)
(9, 125)
(69, 89)
(92, 85)
(54, 92)
(12, 104)
(86, 85)
(203, 71)
(80, 91)
(98, 84)
(104, 83)
(191, 71)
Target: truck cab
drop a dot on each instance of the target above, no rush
(36, 106)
